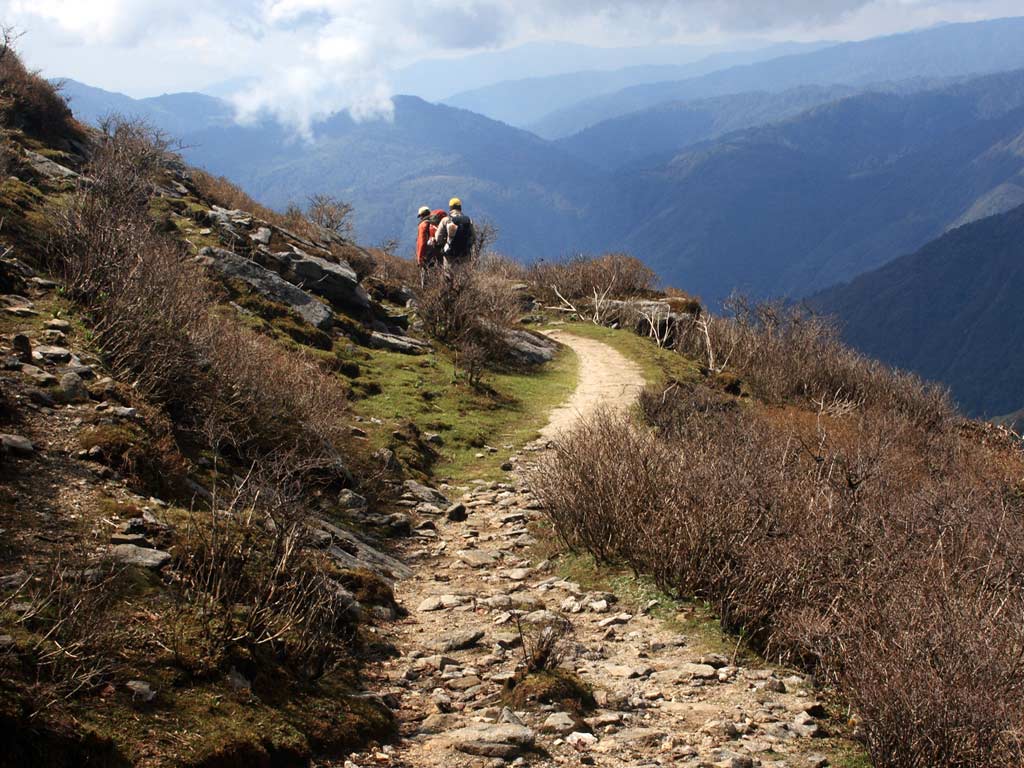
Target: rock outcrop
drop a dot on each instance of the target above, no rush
(270, 285)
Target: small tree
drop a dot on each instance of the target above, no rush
(331, 213)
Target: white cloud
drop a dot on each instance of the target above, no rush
(311, 58)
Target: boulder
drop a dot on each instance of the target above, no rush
(335, 282)
(405, 345)
(16, 445)
(530, 348)
(269, 284)
(73, 389)
(351, 552)
(143, 557)
(503, 740)
(46, 167)
(426, 494)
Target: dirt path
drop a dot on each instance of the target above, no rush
(607, 379)
(663, 698)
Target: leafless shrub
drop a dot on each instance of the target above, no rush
(27, 99)
(267, 397)
(471, 311)
(393, 268)
(485, 233)
(545, 645)
(885, 553)
(248, 579)
(225, 193)
(788, 354)
(581, 279)
(151, 311)
(503, 267)
(71, 649)
(330, 213)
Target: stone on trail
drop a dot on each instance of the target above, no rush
(457, 513)
(129, 554)
(502, 740)
(476, 558)
(459, 641)
(560, 723)
(73, 389)
(699, 671)
(424, 493)
(622, 618)
(52, 354)
(16, 445)
(581, 741)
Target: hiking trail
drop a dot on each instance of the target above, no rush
(664, 698)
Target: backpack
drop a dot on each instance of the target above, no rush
(435, 218)
(462, 243)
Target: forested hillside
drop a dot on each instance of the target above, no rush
(953, 312)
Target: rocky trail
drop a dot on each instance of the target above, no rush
(662, 699)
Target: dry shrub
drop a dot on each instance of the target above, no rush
(227, 194)
(28, 100)
(331, 213)
(546, 645)
(502, 267)
(471, 311)
(252, 591)
(887, 555)
(268, 396)
(71, 648)
(151, 311)
(392, 268)
(612, 276)
(787, 354)
(146, 299)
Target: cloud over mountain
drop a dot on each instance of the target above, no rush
(311, 58)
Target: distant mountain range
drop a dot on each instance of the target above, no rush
(790, 208)
(526, 101)
(953, 312)
(822, 184)
(941, 52)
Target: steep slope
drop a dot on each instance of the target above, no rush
(840, 190)
(948, 51)
(526, 101)
(953, 312)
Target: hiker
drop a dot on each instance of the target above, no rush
(428, 255)
(455, 236)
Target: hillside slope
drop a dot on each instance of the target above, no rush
(791, 208)
(947, 51)
(653, 136)
(952, 312)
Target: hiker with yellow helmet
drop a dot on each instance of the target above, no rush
(455, 236)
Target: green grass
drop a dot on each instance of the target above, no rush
(657, 365)
(510, 410)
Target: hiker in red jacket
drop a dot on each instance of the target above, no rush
(428, 255)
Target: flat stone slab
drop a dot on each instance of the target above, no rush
(502, 740)
(143, 557)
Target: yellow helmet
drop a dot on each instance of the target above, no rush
(455, 203)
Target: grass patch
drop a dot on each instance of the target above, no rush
(510, 409)
(658, 365)
(635, 592)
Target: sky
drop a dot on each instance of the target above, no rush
(304, 59)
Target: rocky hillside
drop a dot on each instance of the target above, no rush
(201, 469)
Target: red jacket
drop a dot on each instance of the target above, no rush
(425, 232)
